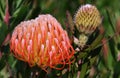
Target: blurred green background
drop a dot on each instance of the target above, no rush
(107, 65)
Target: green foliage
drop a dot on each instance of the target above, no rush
(3, 30)
(92, 56)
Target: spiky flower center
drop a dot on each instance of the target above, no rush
(87, 18)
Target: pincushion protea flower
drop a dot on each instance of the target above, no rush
(41, 42)
(87, 18)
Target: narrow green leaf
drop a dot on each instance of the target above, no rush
(12, 62)
(34, 11)
(83, 70)
(1, 12)
(2, 62)
(18, 3)
(112, 48)
(116, 70)
(92, 60)
(20, 16)
(82, 54)
(3, 31)
(110, 21)
(2, 5)
(95, 43)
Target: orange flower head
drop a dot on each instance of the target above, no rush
(41, 42)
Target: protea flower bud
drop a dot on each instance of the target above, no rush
(42, 42)
(87, 19)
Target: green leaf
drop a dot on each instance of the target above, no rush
(82, 54)
(34, 11)
(25, 71)
(2, 62)
(83, 70)
(116, 70)
(2, 5)
(1, 14)
(12, 62)
(110, 21)
(1, 10)
(112, 48)
(92, 60)
(19, 16)
(18, 3)
(95, 43)
(3, 31)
